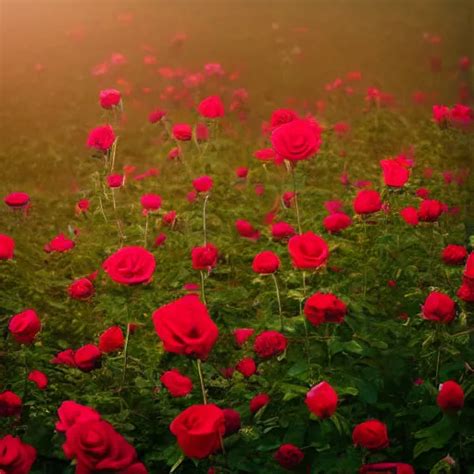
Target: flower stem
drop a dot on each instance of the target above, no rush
(306, 334)
(297, 209)
(201, 380)
(279, 301)
(114, 149)
(203, 288)
(145, 237)
(204, 228)
(125, 353)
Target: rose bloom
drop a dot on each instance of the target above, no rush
(430, 210)
(39, 379)
(246, 229)
(115, 180)
(246, 367)
(211, 107)
(241, 172)
(205, 257)
(169, 218)
(308, 251)
(282, 230)
(96, 447)
(387, 468)
(232, 421)
(87, 357)
(199, 430)
(81, 289)
(289, 456)
(25, 326)
(336, 222)
(450, 397)
(241, 335)
(371, 434)
(367, 201)
(265, 154)
(59, 244)
(109, 98)
(70, 413)
(282, 116)
(182, 132)
(156, 115)
(269, 343)
(7, 247)
(258, 402)
(410, 215)
(16, 200)
(266, 262)
(150, 202)
(296, 140)
(203, 184)
(202, 132)
(16, 457)
(439, 308)
(322, 400)
(111, 340)
(130, 266)
(176, 383)
(454, 254)
(10, 404)
(160, 240)
(395, 172)
(324, 308)
(65, 357)
(185, 327)
(101, 138)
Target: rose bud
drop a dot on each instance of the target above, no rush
(150, 202)
(81, 289)
(246, 367)
(211, 107)
(322, 400)
(289, 456)
(410, 215)
(25, 326)
(439, 308)
(282, 230)
(430, 210)
(367, 201)
(242, 172)
(101, 138)
(371, 434)
(38, 378)
(270, 343)
(156, 115)
(246, 230)
(203, 184)
(395, 172)
(454, 254)
(115, 180)
(182, 132)
(205, 257)
(241, 335)
(160, 240)
(258, 402)
(65, 357)
(111, 340)
(266, 262)
(87, 357)
(109, 98)
(7, 247)
(336, 222)
(450, 397)
(10, 404)
(176, 383)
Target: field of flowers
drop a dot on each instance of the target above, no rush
(292, 295)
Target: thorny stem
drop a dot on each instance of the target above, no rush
(278, 300)
(201, 380)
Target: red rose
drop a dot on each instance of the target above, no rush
(202, 132)
(336, 222)
(60, 243)
(241, 335)
(322, 400)
(266, 262)
(387, 468)
(211, 107)
(282, 230)
(10, 404)
(289, 456)
(308, 250)
(287, 198)
(324, 308)
(454, 254)
(17, 200)
(115, 180)
(258, 402)
(241, 172)
(270, 343)
(160, 240)
(130, 266)
(282, 116)
(296, 140)
(101, 138)
(82, 206)
(64, 358)
(111, 340)
(232, 421)
(430, 210)
(87, 357)
(439, 307)
(265, 154)
(169, 218)
(410, 215)
(97, 447)
(423, 193)
(371, 434)
(182, 132)
(203, 184)
(199, 430)
(246, 230)
(466, 292)
(70, 413)
(205, 257)
(395, 172)
(25, 326)
(81, 289)
(468, 273)
(367, 201)
(150, 202)
(16, 457)
(156, 115)
(38, 378)
(7, 247)
(450, 397)
(176, 383)
(185, 327)
(109, 98)
(246, 367)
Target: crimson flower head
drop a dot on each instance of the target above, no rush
(203, 184)
(322, 400)
(101, 138)
(211, 107)
(109, 98)
(17, 200)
